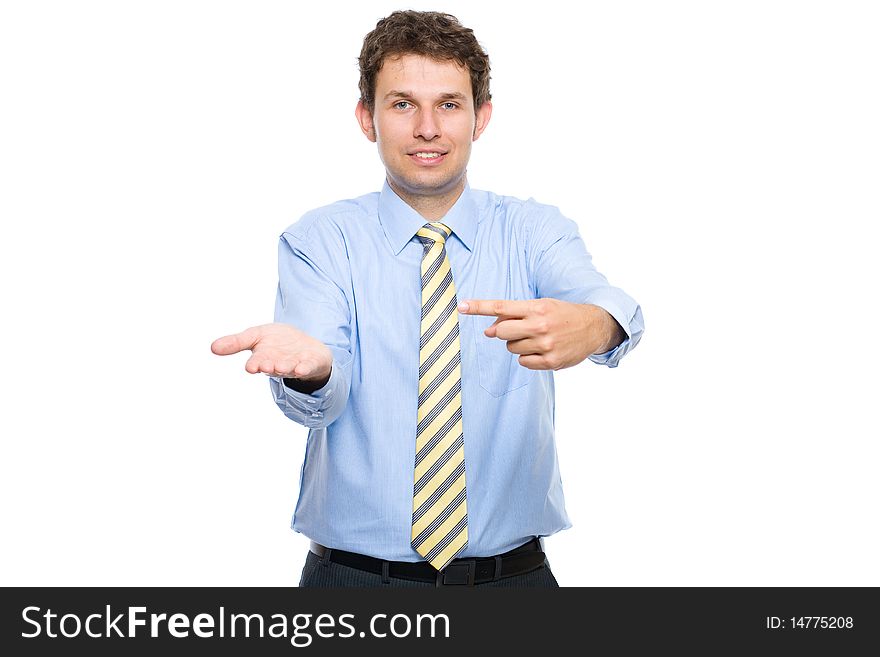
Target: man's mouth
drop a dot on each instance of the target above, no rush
(427, 158)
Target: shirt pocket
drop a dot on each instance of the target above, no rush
(500, 371)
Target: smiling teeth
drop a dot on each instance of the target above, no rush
(427, 156)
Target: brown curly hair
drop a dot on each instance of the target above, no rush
(427, 33)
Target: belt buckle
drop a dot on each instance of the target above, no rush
(461, 572)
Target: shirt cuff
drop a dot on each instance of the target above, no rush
(306, 407)
(631, 322)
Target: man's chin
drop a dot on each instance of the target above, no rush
(427, 185)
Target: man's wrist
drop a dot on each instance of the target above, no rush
(306, 386)
(613, 331)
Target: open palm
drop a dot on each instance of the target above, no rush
(279, 350)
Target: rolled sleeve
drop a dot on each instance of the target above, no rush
(317, 409)
(312, 283)
(631, 322)
(563, 269)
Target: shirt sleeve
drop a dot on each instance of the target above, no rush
(311, 297)
(563, 269)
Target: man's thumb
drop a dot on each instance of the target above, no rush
(232, 344)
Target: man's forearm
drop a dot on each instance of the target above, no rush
(613, 332)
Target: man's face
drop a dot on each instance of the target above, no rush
(424, 123)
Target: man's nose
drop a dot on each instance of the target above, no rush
(427, 125)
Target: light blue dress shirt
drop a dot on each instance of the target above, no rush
(350, 277)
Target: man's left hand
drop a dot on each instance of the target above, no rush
(549, 334)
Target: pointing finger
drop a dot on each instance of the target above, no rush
(494, 307)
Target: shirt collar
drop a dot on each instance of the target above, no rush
(400, 222)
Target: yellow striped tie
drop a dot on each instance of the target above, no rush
(439, 522)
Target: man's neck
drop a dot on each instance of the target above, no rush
(432, 207)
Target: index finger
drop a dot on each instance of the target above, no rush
(494, 307)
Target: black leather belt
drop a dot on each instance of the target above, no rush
(466, 572)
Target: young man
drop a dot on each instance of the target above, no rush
(417, 330)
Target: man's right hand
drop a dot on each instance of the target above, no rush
(279, 350)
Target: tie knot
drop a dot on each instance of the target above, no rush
(434, 232)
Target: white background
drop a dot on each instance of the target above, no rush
(721, 160)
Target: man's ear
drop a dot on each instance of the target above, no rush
(365, 120)
(484, 113)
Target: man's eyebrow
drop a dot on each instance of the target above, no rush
(447, 95)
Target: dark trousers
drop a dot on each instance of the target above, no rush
(319, 574)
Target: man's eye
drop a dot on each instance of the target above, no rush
(401, 104)
(449, 106)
